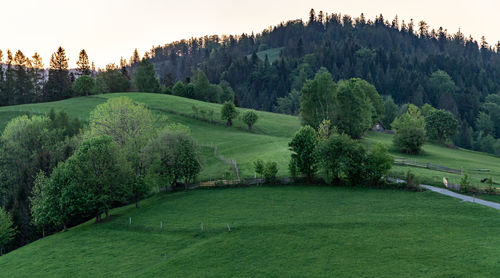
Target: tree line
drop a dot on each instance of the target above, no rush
(57, 172)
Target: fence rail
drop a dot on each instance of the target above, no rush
(431, 166)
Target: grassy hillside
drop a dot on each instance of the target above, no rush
(269, 141)
(275, 232)
(460, 159)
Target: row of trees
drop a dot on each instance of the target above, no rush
(338, 157)
(56, 173)
(25, 80)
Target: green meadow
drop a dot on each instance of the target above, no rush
(283, 231)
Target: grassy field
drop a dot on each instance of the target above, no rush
(269, 141)
(459, 159)
(301, 231)
(272, 54)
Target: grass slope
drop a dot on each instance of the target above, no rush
(304, 231)
(272, 54)
(269, 141)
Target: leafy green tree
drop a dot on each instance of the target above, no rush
(228, 112)
(427, 109)
(28, 145)
(131, 125)
(250, 118)
(318, 99)
(114, 79)
(98, 167)
(100, 85)
(391, 111)
(7, 230)
(355, 112)
(173, 156)
(377, 165)
(441, 125)
(485, 124)
(289, 104)
(145, 77)
(303, 144)
(409, 131)
(342, 158)
(83, 85)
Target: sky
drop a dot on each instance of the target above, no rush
(110, 29)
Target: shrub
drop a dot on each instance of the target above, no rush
(303, 159)
(465, 184)
(259, 167)
(270, 171)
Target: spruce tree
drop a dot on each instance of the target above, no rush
(83, 64)
(58, 84)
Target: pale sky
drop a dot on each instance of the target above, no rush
(109, 29)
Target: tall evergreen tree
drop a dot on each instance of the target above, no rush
(38, 76)
(59, 82)
(83, 64)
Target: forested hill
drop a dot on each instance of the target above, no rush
(398, 57)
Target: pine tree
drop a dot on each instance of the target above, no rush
(37, 76)
(23, 88)
(83, 65)
(59, 83)
(8, 88)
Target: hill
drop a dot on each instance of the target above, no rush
(275, 232)
(268, 141)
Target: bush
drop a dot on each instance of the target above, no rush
(303, 159)
(346, 160)
(465, 184)
(270, 171)
(259, 167)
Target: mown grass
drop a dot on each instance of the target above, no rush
(293, 231)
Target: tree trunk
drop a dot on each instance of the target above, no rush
(107, 214)
(64, 227)
(98, 218)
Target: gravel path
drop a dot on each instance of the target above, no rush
(450, 193)
(462, 197)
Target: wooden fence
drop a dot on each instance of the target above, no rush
(431, 166)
